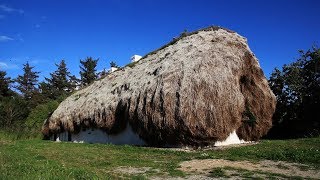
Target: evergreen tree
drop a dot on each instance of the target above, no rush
(74, 81)
(13, 111)
(88, 70)
(12, 106)
(60, 82)
(4, 85)
(113, 64)
(103, 73)
(27, 82)
(46, 90)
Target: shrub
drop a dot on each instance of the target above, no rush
(38, 115)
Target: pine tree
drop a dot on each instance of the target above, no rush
(103, 73)
(113, 64)
(27, 82)
(74, 81)
(4, 85)
(12, 106)
(60, 82)
(46, 90)
(88, 70)
(13, 111)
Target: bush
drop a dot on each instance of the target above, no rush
(37, 116)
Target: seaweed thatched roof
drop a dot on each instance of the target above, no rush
(194, 91)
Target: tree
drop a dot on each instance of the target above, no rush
(27, 82)
(113, 64)
(60, 83)
(297, 88)
(45, 90)
(13, 111)
(88, 70)
(74, 81)
(12, 106)
(103, 73)
(4, 85)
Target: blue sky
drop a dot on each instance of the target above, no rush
(45, 31)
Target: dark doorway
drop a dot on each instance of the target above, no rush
(69, 136)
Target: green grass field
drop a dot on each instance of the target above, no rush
(35, 159)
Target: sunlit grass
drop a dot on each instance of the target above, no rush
(34, 159)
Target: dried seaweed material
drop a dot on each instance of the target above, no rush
(195, 91)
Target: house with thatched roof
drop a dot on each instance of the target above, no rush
(203, 88)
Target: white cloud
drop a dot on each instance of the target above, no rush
(5, 39)
(9, 9)
(4, 65)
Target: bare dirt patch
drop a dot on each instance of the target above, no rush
(268, 167)
(131, 170)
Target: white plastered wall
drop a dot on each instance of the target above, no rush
(127, 136)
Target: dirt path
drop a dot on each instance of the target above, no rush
(220, 169)
(264, 168)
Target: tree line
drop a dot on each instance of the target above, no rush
(297, 88)
(24, 101)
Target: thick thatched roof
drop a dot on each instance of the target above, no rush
(195, 90)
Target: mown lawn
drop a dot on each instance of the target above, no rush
(34, 159)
